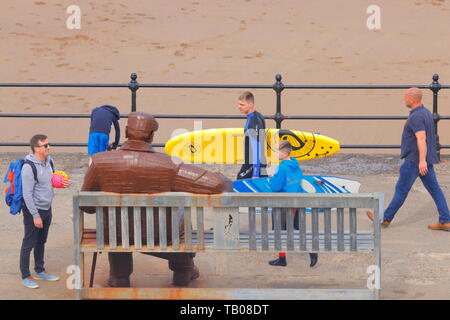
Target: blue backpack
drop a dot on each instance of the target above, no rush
(13, 193)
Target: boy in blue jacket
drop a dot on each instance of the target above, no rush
(288, 178)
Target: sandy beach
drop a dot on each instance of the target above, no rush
(222, 42)
(233, 42)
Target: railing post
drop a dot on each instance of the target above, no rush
(435, 86)
(133, 85)
(278, 86)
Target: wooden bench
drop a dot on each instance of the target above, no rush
(227, 235)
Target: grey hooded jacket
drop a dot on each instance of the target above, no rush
(37, 195)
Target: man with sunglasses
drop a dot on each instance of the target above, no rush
(38, 194)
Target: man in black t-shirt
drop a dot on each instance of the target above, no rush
(418, 148)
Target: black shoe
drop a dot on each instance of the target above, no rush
(313, 257)
(280, 262)
(118, 282)
(183, 278)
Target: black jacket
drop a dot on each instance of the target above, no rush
(255, 147)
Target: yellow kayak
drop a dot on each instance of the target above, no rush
(226, 145)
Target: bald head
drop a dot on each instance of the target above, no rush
(413, 97)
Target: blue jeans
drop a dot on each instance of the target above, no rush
(409, 171)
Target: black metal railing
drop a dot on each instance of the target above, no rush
(278, 116)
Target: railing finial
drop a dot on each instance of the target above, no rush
(133, 85)
(435, 77)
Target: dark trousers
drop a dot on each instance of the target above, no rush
(284, 219)
(34, 239)
(121, 264)
(284, 226)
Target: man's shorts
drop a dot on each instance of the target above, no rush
(98, 142)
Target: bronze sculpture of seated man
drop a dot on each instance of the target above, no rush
(137, 168)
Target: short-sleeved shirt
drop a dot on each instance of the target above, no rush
(420, 119)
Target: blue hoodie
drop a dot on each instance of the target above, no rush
(37, 195)
(288, 177)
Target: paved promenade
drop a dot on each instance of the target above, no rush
(415, 260)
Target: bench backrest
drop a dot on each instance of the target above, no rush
(268, 223)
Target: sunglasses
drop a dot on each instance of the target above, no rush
(44, 145)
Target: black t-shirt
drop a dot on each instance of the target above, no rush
(420, 119)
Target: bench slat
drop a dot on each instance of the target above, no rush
(99, 227)
(252, 227)
(290, 228)
(265, 227)
(112, 227)
(327, 228)
(277, 221)
(302, 227)
(227, 294)
(162, 215)
(150, 227)
(315, 228)
(187, 227)
(89, 245)
(125, 227)
(353, 230)
(200, 229)
(364, 241)
(340, 228)
(176, 213)
(137, 227)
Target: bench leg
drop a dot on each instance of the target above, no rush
(94, 262)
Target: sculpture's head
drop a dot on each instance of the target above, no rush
(141, 126)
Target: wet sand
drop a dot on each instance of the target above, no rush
(219, 42)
